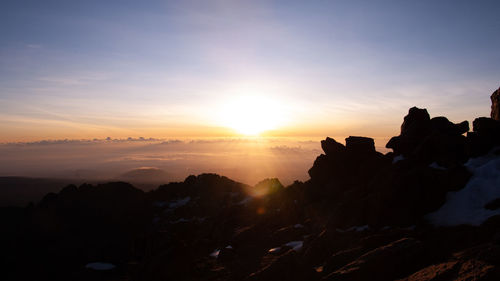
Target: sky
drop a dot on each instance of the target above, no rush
(216, 69)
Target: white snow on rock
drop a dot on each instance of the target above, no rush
(436, 166)
(245, 200)
(397, 159)
(358, 228)
(466, 206)
(100, 266)
(215, 253)
(295, 245)
(179, 203)
(229, 247)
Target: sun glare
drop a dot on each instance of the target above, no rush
(252, 115)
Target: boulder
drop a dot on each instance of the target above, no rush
(430, 140)
(384, 263)
(442, 125)
(485, 136)
(331, 147)
(416, 123)
(287, 267)
(360, 145)
(485, 125)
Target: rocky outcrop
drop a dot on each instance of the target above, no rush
(385, 263)
(430, 140)
(476, 263)
(485, 136)
(495, 105)
(363, 215)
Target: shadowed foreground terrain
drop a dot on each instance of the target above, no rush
(427, 211)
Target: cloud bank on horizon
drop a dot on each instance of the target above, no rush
(84, 69)
(152, 161)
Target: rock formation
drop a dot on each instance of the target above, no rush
(363, 215)
(495, 105)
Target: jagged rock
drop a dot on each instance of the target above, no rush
(329, 165)
(415, 127)
(416, 123)
(435, 272)
(287, 267)
(485, 136)
(341, 258)
(268, 186)
(447, 150)
(477, 263)
(485, 125)
(360, 145)
(495, 105)
(384, 263)
(442, 125)
(331, 147)
(431, 140)
(287, 234)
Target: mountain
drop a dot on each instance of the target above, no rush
(19, 191)
(429, 210)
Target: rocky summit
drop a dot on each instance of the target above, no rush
(429, 210)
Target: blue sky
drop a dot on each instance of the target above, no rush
(74, 69)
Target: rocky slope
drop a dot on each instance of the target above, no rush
(427, 211)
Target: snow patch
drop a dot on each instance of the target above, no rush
(466, 206)
(244, 201)
(179, 203)
(359, 228)
(100, 266)
(436, 166)
(295, 245)
(215, 253)
(229, 247)
(397, 159)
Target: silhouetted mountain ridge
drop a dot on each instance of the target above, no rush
(426, 211)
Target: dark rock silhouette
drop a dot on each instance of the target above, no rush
(360, 145)
(431, 140)
(495, 105)
(485, 136)
(361, 216)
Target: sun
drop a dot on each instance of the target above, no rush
(251, 115)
